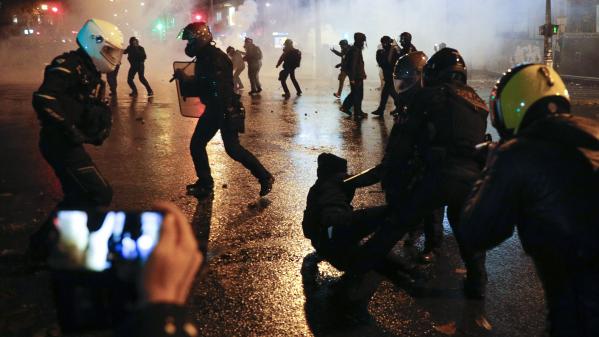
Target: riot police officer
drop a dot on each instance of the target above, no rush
(386, 57)
(71, 109)
(213, 82)
(543, 178)
(432, 162)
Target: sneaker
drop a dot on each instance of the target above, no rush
(200, 190)
(266, 185)
(360, 115)
(259, 90)
(286, 95)
(299, 93)
(151, 94)
(133, 94)
(378, 113)
(252, 92)
(337, 95)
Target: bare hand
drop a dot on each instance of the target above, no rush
(172, 267)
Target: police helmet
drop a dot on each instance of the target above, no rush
(197, 32)
(408, 71)
(103, 42)
(526, 93)
(445, 65)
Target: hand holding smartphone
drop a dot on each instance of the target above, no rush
(106, 265)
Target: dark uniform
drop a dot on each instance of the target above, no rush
(71, 112)
(546, 182)
(290, 59)
(137, 57)
(429, 164)
(386, 59)
(214, 82)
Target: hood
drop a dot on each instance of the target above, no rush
(569, 130)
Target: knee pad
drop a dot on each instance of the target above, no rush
(90, 180)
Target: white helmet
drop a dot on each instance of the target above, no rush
(103, 42)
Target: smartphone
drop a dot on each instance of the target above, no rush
(97, 265)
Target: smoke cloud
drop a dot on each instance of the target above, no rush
(482, 30)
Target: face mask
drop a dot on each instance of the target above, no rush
(190, 49)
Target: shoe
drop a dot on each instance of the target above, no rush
(286, 95)
(360, 115)
(151, 94)
(378, 112)
(266, 185)
(299, 93)
(345, 110)
(336, 95)
(252, 92)
(133, 94)
(259, 90)
(474, 289)
(200, 190)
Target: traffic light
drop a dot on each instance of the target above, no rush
(549, 29)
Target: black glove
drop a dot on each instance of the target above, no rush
(96, 123)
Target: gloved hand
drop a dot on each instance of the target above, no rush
(96, 123)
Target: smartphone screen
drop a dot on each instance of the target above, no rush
(100, 241)
(98, 264)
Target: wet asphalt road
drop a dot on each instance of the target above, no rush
(262, 278)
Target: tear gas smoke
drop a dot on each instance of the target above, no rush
(477, 28)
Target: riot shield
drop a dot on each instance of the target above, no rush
(190, 106)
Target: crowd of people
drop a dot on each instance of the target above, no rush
(541, 177)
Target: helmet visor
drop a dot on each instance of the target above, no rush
(112, 54)
(404, 84)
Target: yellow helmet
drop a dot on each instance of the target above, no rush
(522, 88)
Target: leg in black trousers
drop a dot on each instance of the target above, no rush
(294, 81)
(240, 154)
(252, 75)
(142, 78)
(205, 130)
(130, 75)
(283, 78)
(358, 96)
(82, 183)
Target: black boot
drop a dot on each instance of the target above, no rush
(266, 185)
(200, 190)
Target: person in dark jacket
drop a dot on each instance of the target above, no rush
(253, 57)
(214, 86)
(238, 66)
(344, 45)
(336, 232)
(405, 42)
(386, 57)
(71, 109)
(431, 163)
(543, 178)
(291, 59)
(354, 67)
(136, 55)
(407, 79)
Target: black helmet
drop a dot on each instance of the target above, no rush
(405, 38)
(408, 71)
(445, 65)
(198, 32)
(343, 43)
